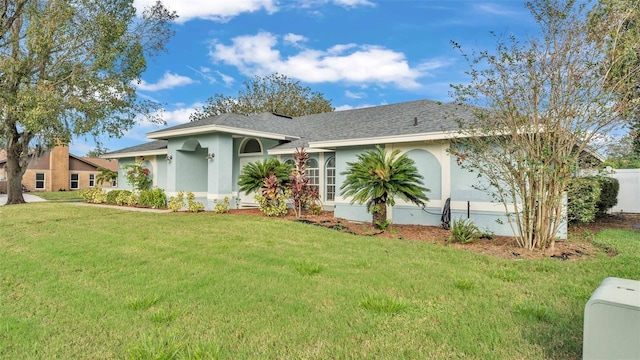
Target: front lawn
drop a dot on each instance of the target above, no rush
(89, 282)
(59, 196)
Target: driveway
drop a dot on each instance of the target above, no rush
(27, 198)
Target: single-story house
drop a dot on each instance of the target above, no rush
(57, 169)
(206, 157)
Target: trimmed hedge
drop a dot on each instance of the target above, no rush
(609, 188)
(154, 198)
(582, 195)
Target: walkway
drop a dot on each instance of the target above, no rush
(27, 197)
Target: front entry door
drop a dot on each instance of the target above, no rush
(247, 200)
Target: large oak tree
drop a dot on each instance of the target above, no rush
(68, 68)
(274, 93)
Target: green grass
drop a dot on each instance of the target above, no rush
(88, 282)
(59, 196)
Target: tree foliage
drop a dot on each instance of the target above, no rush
(253, 175)
(105, 176)
(377, 178)
(540, 104)
(69, 68)
(303, 194)
(615, 24)
(275, 93)
(620, 153)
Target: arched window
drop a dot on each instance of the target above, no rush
(330, 179)
(251, 146)
(313, 173)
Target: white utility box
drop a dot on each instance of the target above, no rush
(612, 321)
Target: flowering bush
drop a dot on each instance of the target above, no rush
(94, 195)
(138, 176)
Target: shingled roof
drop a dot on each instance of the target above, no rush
(402, 119)
(157, 145)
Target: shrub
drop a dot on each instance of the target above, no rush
(155, 198)
(582, 196)
(94, 195)
(131, 199)
(609, 188)
(303, 195)
(383, 225)
(176, 203)
(273, 198)
(221, 207)
(138, 176)
(274, 206)
(463, 231)
(112, 196)
(192, 204)
(122, 196)
(253, 174)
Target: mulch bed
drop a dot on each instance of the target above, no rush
(577, 247)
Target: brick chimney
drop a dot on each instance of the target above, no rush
(59, 168)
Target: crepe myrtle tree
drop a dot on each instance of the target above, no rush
(539, 106)
(378, 177)
(69, 68)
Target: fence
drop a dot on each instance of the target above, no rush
(629, 195)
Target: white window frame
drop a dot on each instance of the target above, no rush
(71, 181)
(244, 143)
(330, 179)
(44, 181)
(92, 180)
(313, 174)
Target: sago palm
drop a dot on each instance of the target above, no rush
(375, 179)
(253, 174)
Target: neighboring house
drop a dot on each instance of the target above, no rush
(57, 169)
(206, 157)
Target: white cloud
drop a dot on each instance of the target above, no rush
(344, 3)
(168, 81)
(351, 107)
(354, 95)
(351, 63)
(494, 9)
(215, 10)
(205, 72)
(228, 80)
(179, 115)
(353, 3)
(294, 39)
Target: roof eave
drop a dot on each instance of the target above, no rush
(166, 134)
(130, 154)
(440, 135)
(293, 151)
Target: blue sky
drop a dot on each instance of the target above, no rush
(356, 52)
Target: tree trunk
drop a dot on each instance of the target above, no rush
(15, 170)
(380, 216)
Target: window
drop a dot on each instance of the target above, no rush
(251, 146)
(114, 182)
(313, 173)
(330, 179)
(39, 180)
(92, 180)
(75, 182)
